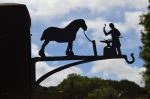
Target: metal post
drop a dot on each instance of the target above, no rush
(94, 48)
(15, 51)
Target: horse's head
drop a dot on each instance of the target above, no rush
(82, 24)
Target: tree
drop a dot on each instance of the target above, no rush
(82, 87)
(102, 92)
(145, 48)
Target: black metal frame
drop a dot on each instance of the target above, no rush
(81, 60)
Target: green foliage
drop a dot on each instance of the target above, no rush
(103, 92)
(145, 49)
(80, 87)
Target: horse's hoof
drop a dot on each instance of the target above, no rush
(41, 53)
(43, 56)
(69, 53)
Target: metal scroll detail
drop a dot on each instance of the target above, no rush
(129, 62)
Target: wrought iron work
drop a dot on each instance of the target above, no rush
(81, 60)
(15, 35)
(111, 50)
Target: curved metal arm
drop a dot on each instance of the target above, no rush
(59, 69)
(85, 59)
(129, 62)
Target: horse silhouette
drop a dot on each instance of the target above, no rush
(62, 35)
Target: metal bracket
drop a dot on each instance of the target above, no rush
(81, 60)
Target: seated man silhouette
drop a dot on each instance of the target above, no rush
(115, 34)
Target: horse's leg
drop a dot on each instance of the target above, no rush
(69, 50)
(41, 52)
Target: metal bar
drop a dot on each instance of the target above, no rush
(61, 58)
(94, 47)
(83, 59)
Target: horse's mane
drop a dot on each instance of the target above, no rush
(69, 32)
(74, 23)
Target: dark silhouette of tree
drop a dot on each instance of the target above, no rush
(82, 87)
(102, 93)
(145, 49)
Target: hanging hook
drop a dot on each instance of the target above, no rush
(126, 58)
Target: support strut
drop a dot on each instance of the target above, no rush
(81, 60)
(59, 69)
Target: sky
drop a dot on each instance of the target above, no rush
(125, 14)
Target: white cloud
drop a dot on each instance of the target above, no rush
(119, 69)
(97, 26)
(131, 22)
(35, 50)
(45, 10)
(48, 9)
(43, 67)
(54, 80)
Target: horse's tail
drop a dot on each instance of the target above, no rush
(42, 38)
(43, 35)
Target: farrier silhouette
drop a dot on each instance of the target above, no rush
(115, 34)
